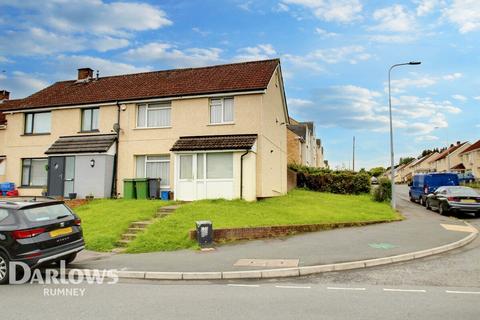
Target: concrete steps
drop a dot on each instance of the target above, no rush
(139, 226)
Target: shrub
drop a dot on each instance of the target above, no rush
(336, 182)
(384, 190)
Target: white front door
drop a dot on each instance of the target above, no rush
(206, 175)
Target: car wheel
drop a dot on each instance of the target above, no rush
(69, 259)
(422, 202)
(442, 209)
(427, 205)
(4, 269)
(412, 198)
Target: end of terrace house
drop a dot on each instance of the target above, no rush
(210, 132)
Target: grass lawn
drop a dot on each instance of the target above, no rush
(105, 220)
(298, 207)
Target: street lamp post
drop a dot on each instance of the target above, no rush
(392, 158)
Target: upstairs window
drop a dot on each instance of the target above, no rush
(90, 119)
(221, 110)
(154, 115)
(37, 123)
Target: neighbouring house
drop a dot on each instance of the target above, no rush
(405, 172)
(303, 146)
(448, 159)
(421, 165)
(210, 132)
(4, 95)
(471, 159)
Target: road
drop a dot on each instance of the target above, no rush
(440, 287)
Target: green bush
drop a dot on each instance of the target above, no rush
(335, 182)
(383, 192)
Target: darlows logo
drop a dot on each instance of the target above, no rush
(60, 276)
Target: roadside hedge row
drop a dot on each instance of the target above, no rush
(346, 182)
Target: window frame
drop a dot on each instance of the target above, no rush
(223, 121)
(91, 119)
(29, 185)
(148, 106)
(155, 161)
(32, 125)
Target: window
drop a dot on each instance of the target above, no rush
(186, 167)
(221, 110)
(154, 167)
(154, 115)
(34, 172)
(90, 119)
(47, 213)
(36, 123)
(219, 165)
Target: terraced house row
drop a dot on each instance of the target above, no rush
(210, 132)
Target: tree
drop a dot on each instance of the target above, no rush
(406, 160)
(377, 171)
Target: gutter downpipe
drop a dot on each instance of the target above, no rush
(241, 173)
(114, 193)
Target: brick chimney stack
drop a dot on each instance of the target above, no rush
(4, 95)
(85, 73)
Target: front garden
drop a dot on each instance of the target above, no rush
(105, 220)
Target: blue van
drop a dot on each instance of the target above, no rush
(424, 184)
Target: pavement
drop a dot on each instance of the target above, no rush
(421, 230)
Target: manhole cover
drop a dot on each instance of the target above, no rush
(382, 245)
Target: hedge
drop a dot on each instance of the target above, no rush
(346, 182)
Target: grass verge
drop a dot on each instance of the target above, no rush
(298, 207)
(105, 220)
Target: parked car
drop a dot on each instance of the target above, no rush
(37, 232)
(424, 184)
(456, 199)
(374, 180)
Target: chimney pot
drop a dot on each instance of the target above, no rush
(458, 142)
(4, 95)
(85, 73)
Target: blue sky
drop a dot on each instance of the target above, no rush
(335, 55)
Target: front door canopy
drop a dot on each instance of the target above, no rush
(98, 143)
(220, 142)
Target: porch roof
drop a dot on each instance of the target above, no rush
(221, 142)
(98, 143)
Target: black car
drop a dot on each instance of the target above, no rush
(454, 198)
(37, 232)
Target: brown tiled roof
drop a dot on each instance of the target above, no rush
(224, 142)
(449, 150)
(245, 76)
(97, 143)
(474, 146)
(459, 166)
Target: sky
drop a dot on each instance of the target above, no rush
(335, 56)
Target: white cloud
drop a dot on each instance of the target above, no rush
(201, 32)
(354, 107)
(426, 7)
(259, 52)
(172, 56)
(394, 19)
(21, 84)
(427, 137)
(343, 11)
(245, 5)
(281, 7)
(459, 97)
(324, 33)
(108, 43)
(424, 81)
(465, 14)
(453, 76)
(92, 16)
(477, 98)
(297, 103)
(67, 66)
(393, 38)
(313, 60)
